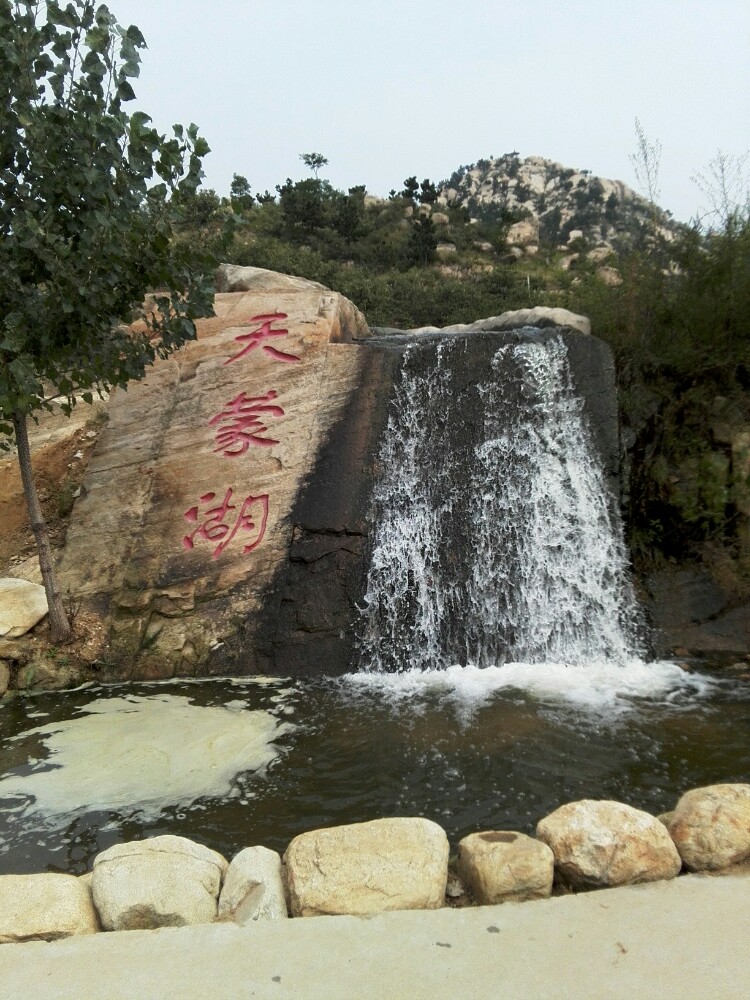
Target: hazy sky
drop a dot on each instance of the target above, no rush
(402, 87)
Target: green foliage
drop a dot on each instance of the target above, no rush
(88, 200)
(314, 161)
(239, 194)
(423, 241)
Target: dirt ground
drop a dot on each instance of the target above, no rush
(61, 447)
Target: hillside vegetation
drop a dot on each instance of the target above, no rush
(507, 233)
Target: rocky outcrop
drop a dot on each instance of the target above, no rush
(44, 908)
(253, 888)
(223, 524)
(387, 864)
(711, 827)
(161, 882)
(185, 515)
(499, 866)
(555, 203)
(600, 844)
(692, 614)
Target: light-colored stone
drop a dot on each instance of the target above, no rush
(539, 316)
(610, 276)
(138, 542)
(575, 234)
(44, 908)
(22, 606)
(253, 888)
(711, 826)
(500, 866)
(600, 843)
(445, 249)
(524, 232)
(440, 218)
(236, 278)
(386, 864)
(4, 678)
(161, 882)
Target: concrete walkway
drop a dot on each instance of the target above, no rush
(688, 939)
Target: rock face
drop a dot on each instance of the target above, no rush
(44, 908)
(224, 520)
(253, 888)
(162, 882)
(387, 864)
(186, 507)
(601, 844)
(22, 606)
(689, 610)
(308, 622)
(711, 827)
(500, 866)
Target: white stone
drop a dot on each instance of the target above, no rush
(236, 278)
(386, 864)
(4, 678)
(523, 232)
(22, 606)
(600, 844)
(44, 908)
(501, 866)
(575, 234)
(711, 826)
(161, 882)
(253, 888)
(440, 218)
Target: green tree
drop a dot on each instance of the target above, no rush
(429, 193)
(88, 198)
(314, 161)
(423, 241)
(239, 193)
(411, 187)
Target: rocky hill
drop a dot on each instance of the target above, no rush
(549, 203)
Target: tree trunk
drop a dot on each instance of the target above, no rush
(60, 630)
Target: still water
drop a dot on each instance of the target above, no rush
(233, 763)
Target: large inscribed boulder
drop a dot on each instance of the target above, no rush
(386, 864)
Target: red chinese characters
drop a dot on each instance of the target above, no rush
(243, 423)
(264, 332)
(220, 523)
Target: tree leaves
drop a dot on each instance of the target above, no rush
(84, 231)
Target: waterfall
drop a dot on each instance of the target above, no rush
(495, 539)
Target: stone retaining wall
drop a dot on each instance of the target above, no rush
(385, 864)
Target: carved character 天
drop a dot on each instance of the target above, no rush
(264, 332)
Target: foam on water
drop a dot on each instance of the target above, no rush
(141, 754)
(603, 687)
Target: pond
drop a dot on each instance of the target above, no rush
(236, 762)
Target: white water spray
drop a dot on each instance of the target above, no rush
(495, 539)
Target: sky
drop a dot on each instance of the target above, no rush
(399, 87)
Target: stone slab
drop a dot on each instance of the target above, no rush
(679, 940)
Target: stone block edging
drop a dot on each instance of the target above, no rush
(385, 864)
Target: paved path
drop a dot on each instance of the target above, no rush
(688, 939)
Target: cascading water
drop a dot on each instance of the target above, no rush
(495, 539)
